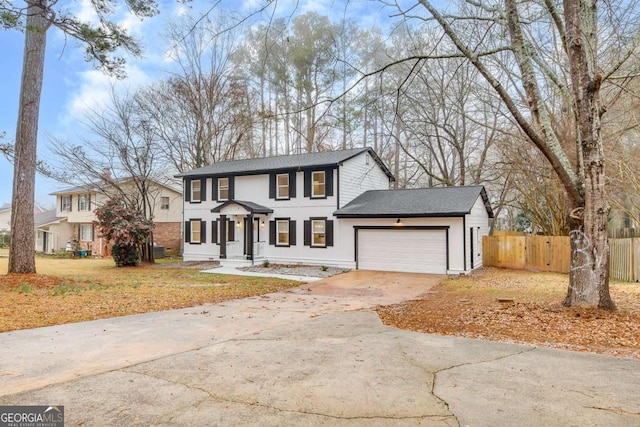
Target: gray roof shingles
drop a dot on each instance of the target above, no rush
(46, 217)
(294, 161)
(250, 206)
(418, 202)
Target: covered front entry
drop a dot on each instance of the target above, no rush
(240, 230)
(413, 250)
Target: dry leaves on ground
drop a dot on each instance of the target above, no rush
(469, 307)
(101, 291)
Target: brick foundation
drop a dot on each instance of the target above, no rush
(168, 234)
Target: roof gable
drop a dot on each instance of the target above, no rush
(419, 202)
(288, 162)
(101, 187)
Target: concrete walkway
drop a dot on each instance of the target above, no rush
(224, 269)
(314, 356)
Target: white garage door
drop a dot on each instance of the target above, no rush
(414, 251)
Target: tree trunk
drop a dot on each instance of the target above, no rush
(22, 249)
(589, 278)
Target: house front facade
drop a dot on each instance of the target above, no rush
(309, 209)
(72, 222)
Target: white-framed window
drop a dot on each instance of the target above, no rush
(164, 203)
(196, 191)
(223, 189)
(86, 232)
(196, 231)
(84, 202)
(318, 184)
(318, 233)
(282, 232)
(282, 182)
(65, 203)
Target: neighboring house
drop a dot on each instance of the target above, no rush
(5, 219)
(73, 221)
(330, 208)
(52, 232)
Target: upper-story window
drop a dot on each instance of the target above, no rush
(196, 191)
(65, 203)
(282, 181)
(318, 184)
(164, 203)
(84, 202)
(223, 189)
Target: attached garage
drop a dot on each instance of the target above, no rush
(413, 250)
(425, 230)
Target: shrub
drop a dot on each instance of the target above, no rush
(266, 263)
(128, 229)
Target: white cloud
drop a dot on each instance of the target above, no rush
(93, 93)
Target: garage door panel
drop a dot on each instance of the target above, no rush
(417, 251)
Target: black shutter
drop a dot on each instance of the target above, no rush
(328, 230)
(203, 231)
(203, 190)
(78, 203)
(307, 233)
(307, 183)
(70, 203)
(272, 232)
(328, 182)
(187, 190)
(214, 189)
(292, 185)
(292, 233)
(272, 185)
(89, 201)
(231, 234)
(214, 231)
(232, 188)
(187, 231)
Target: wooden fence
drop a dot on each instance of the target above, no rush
(543, 253)
(553, 253)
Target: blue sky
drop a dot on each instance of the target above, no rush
(71, 85)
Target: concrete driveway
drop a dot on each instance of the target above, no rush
(316, 355)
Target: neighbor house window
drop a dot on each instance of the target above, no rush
(196, 187)
(283, 186)
(282, 233)
(196, 228)
(318, 184)
(223, 189)
(164, 203)
(86, 232)
(318, 233)
(65, 203)
(84, 202)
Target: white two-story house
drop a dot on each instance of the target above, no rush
(330, 208)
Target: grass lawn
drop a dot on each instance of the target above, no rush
(73, 290)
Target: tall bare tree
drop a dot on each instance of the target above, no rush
(527, 50)
(120, 158)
